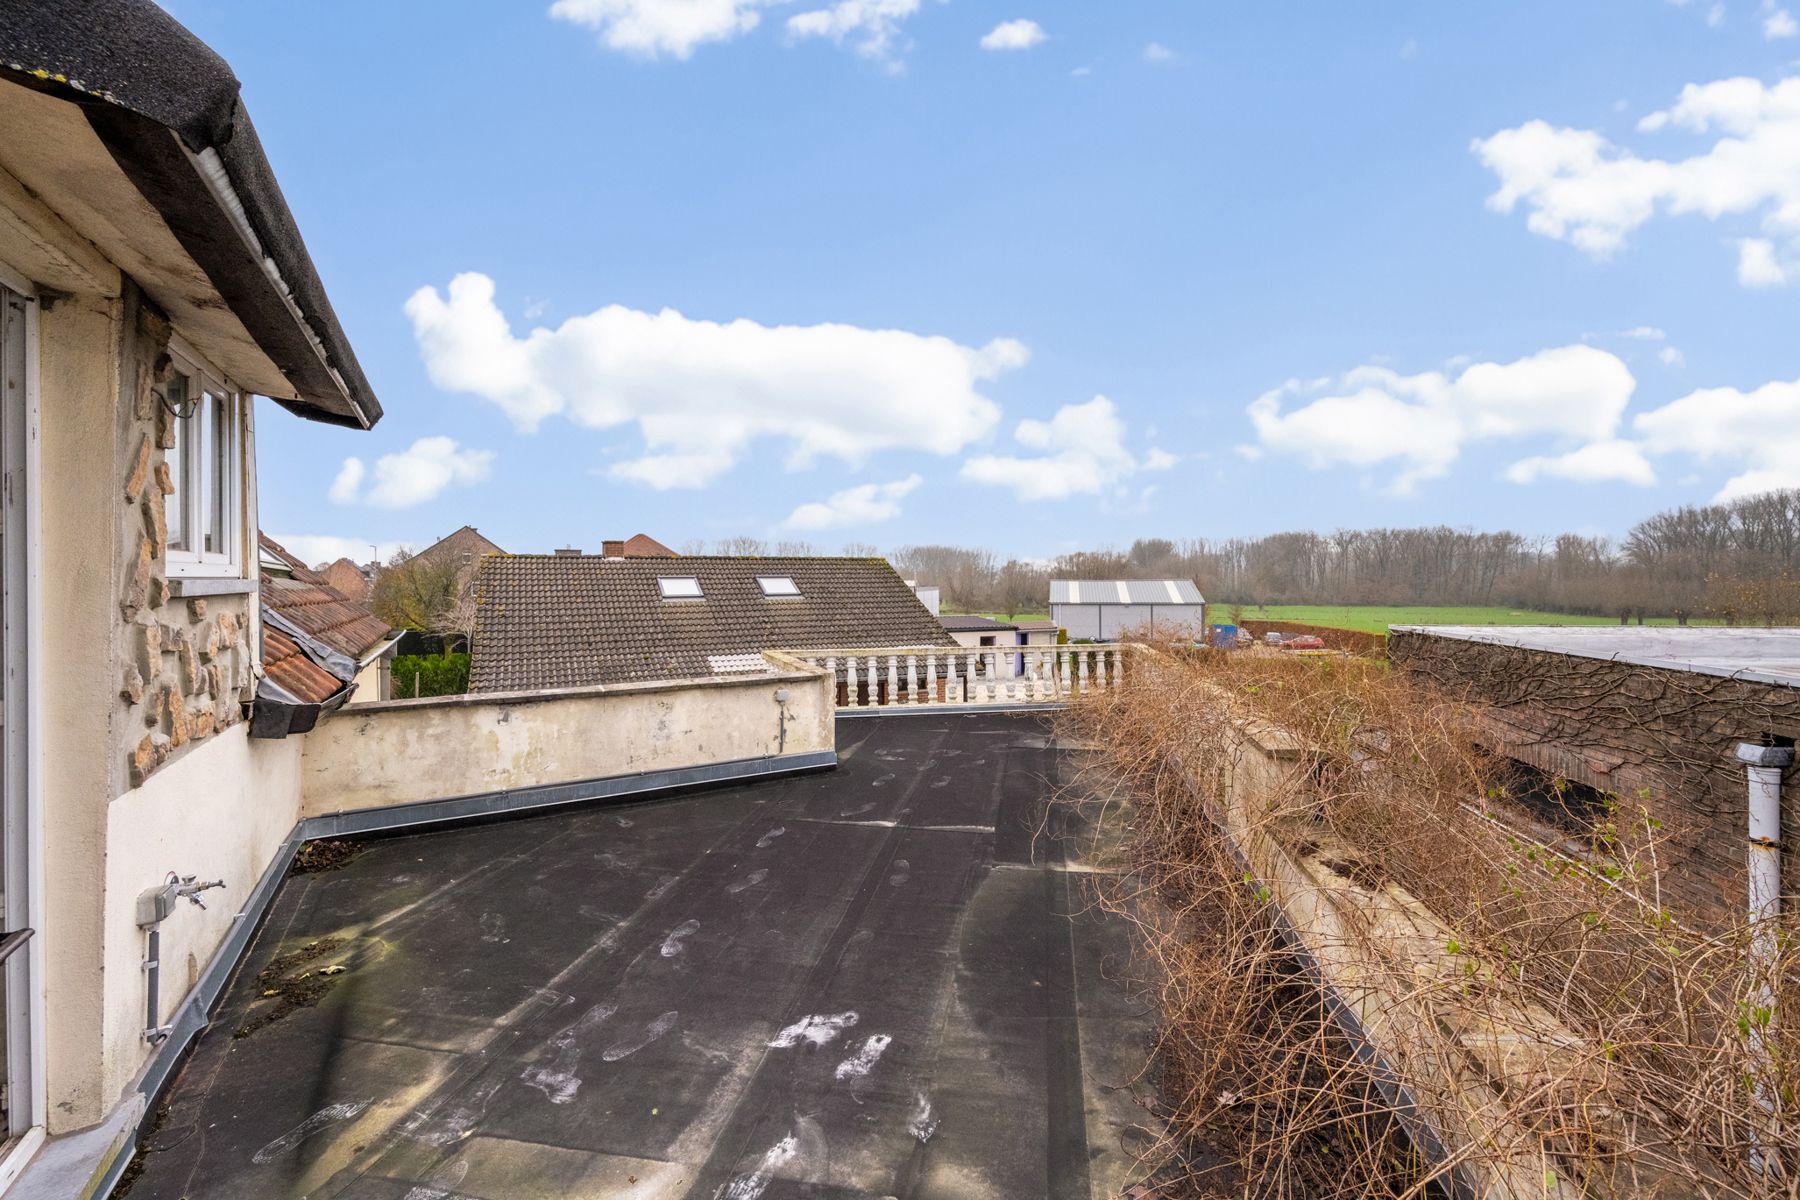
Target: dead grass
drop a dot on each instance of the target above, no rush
(1671, 1077)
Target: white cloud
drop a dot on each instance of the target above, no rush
(1611, 461)
(1645, 333)
(1760, 265)
(415, 475)
(1082, 453)
(656, 27)
(872, 26)
(1156, 52)
(1081, 72)
(1779, 24)
(1669, 356)
(1014, 35)
(862, 505)
(348, 482)
(1579, 187)
(1758, 430)
(1418, 424)
(701, 392)
(315, 549)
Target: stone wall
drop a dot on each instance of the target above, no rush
(184, 663)
(1661, 739)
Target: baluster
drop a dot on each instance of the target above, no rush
(1081, 660)
(893, 680)
(931, 677)
(866, 699)
(831, 674)
(967, 661)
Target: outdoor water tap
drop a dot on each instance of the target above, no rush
(191, 890)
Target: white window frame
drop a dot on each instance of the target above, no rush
(25, 1049)
(663, 582)
(227, 563)
(772, 587)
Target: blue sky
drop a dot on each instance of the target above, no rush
(900, 268)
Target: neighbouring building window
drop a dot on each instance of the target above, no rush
(680, 587)
(777, 585)
(205, 512)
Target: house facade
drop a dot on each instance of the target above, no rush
(152, 284)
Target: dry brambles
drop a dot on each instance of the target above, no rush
(1638, 1054)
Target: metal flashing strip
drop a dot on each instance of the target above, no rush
(194, 1015)
(555, 795)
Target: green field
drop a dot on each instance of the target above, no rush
(1376, 618)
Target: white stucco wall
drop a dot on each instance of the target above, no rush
(220, 812)
(406, 751)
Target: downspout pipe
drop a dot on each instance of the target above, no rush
(1763, 766)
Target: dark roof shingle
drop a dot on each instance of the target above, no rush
(560, 621)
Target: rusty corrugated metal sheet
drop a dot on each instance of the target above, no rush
(287, 665)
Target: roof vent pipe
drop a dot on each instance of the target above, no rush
(1763, 766)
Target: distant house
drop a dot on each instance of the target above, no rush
(347, 577)
(574, 620)
(1101, 610)
(301, 605)
(981, 632)
(640, 545)
(466, 548)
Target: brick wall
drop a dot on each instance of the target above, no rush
(1662, 739)
(184, 663)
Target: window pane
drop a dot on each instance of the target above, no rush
(204, 485)
(218, 469)
(179, 458)
(679, 587)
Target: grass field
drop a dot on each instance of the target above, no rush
(1376, 618)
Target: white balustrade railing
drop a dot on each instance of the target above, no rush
(881, 677)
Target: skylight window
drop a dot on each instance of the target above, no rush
(777, 585)
(679, 587)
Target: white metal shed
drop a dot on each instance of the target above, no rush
(1102, 609)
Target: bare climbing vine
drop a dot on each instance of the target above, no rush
(1632, 1042)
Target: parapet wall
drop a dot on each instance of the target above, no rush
(412, 751)
(1662, 739)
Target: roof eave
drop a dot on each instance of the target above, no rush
(196, 200)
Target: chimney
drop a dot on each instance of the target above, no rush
(568, 552)
(613, 549)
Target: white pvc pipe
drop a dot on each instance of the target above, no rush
(1763, 766)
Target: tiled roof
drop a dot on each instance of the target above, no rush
(317, 608)
(642, 545)
(557, 621)
(286, 664)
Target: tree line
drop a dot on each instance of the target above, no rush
(1738, 562)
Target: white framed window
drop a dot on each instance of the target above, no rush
(679, 587)
(777, 585)
(206, 511)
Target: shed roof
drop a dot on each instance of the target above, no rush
(167, 111)
(970, 623)
(1759, 655)
(558, 621)
(1125, 591)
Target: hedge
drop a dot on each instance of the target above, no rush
(431, 675)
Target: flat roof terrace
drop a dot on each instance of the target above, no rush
(885, 980)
